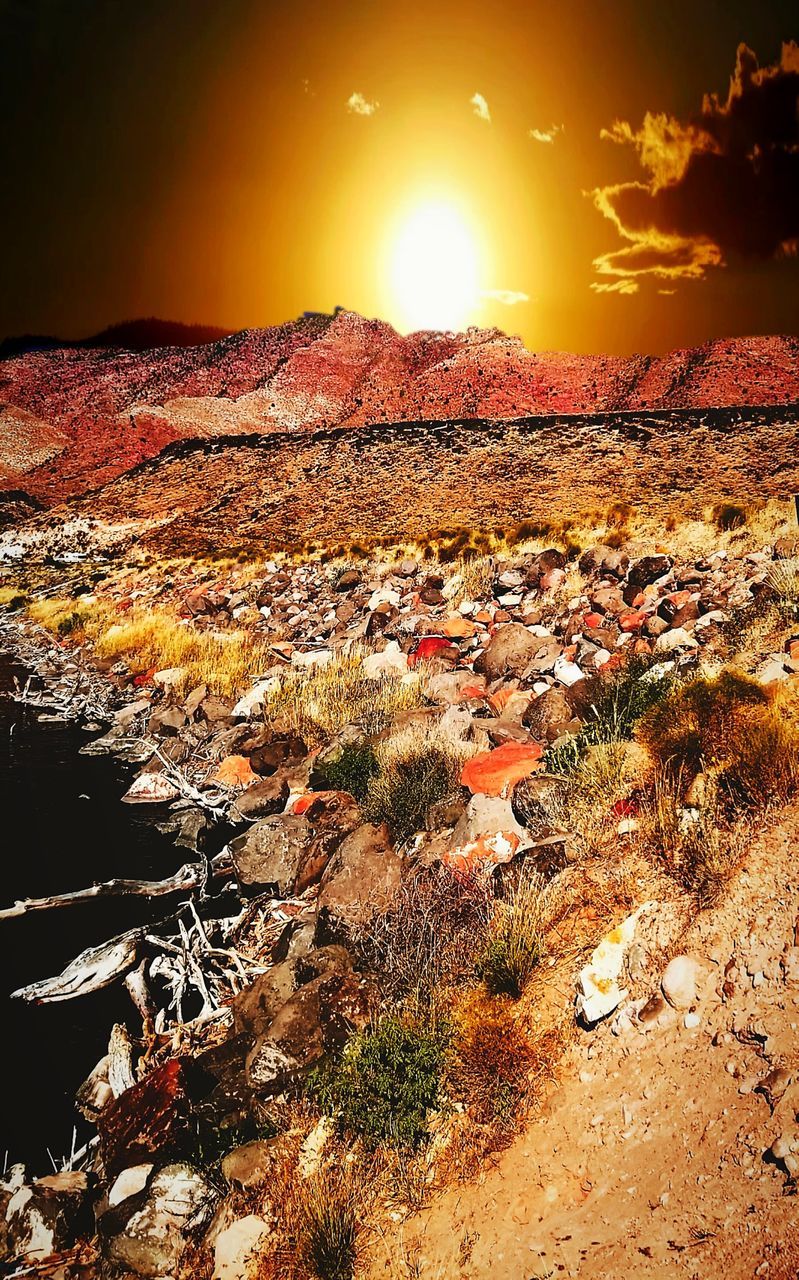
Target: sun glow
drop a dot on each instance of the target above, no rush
(434, 270)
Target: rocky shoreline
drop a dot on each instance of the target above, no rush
(413, 728)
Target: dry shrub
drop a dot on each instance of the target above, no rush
(700, 846)
(492, 1060)
(783, 578)
(729, 515)
(430, 937)
(317, 702)
(729, 726)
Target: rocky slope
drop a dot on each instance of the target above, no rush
(404, 480)
(108, 409)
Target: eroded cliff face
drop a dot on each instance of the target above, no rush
(103, 411)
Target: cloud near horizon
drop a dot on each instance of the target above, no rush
(480, 107)
(545, 135)
(725, 184)
(507, 297)
(358, 105)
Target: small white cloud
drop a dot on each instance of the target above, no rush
(618, 286)
(358, 105)
(508, 297)
(545, 135)
(480, 107)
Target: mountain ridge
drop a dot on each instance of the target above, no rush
(74, 419)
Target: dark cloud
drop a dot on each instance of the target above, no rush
(725, 183)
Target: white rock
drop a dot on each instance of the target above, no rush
(677, 638)
(236, 1251)
(316, 658)
(391, 661)
(384, 595)
(679, 982)
(254, 698)
(150, 788)
(691, 1020)
(598, 990)
(567, 672)
(129, 1183)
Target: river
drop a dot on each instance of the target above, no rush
(63, 827)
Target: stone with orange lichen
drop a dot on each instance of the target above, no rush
(494, 773)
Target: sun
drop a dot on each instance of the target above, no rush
(433, 269)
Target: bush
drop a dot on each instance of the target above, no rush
(415, 772)
(430, 937)
(386, 1081)
(350, 769)
(729, 515)
(728, 727)
(515, 943)
(490, 1063)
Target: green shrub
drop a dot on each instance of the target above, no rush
(349, 769)
(729, 515)
(415, 772)
(619, 701)
(386, 1081)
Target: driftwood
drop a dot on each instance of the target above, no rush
(192, 875)
(215, 805)
(92, 970)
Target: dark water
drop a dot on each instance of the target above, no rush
(62, 827)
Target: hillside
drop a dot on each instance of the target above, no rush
(107, 409)
(406, 480)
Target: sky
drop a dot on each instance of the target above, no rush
(612, 177)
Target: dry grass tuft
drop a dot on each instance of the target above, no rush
(417, 768)
(515, 944)
(490, 1062)
(317, 702)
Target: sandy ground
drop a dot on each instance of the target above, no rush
(651, 1158)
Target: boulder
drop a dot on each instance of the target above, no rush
(149, 1119)
(236, 1248)
(509, 652)
(249, 1165)
(256, 1006)
(679, 982)
(150, 788)
(268, 856)
(362, 878)
(43, 1217)
(648, 569)
(150, 1240)
(495, 773)
(316, 1021)
(264, 798)
(549, 715)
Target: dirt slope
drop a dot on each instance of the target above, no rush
(651, 1158)
(115, 407)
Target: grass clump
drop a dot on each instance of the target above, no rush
(386, 1082)
(515, 944)
(729, 515)
(783, 578)
(224, 661)
(490, 1062)
(347, 768)
(318, 702)
(329, 1222)
(700, 846)
(12, 598)
(416, 771)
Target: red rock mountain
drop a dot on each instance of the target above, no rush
(72, 419)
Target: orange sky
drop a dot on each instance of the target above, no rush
(238, 163)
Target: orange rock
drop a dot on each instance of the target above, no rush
(632, 620)
(458, 628)
(499, 700)
(235, 771)
(593, 620)
(482, 616)
(490, 850)
(491, 773)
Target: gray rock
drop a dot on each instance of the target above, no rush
(42, 1217)
(362, 878)
(177, 1200)
(267, 858)
(509, 652)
